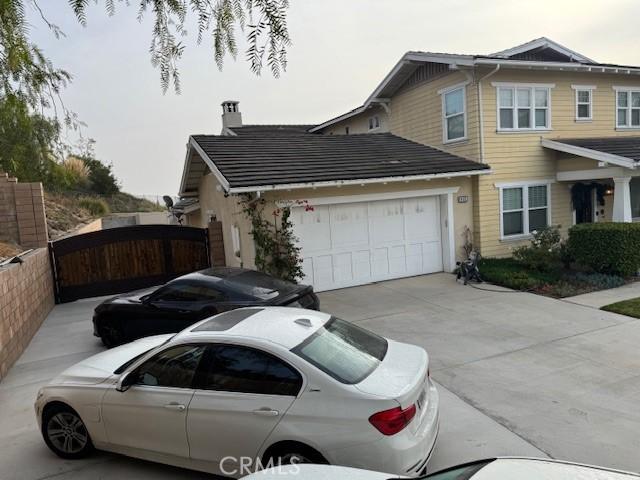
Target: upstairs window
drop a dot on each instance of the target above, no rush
(628, 108)
(524, 108)
(524, 209)
(584, 102)
(454, 115)
(374, 122)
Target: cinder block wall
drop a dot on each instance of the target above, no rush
(22, 215)
(26, 298)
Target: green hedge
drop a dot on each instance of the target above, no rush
(612, 248)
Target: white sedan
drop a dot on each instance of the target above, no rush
(248, 387)
(491, 469)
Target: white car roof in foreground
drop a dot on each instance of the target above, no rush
(283, 325)
(541, 469)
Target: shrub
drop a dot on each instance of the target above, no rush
(95, 206)
(600, 281)
(611, 248)
(544, 253)
(511, 274)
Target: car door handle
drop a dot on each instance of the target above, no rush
(175, 406)
(266, 412)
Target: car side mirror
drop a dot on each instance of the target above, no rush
(125, 381)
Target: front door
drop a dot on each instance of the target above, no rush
(584, 213)
(242, 395)
(151, 414)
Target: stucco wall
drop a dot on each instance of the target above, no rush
(228, 211)
(26, 297)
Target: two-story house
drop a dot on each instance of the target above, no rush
(499, 145)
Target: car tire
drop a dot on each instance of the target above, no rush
(65, 433)
(111, 336)
(295, 454)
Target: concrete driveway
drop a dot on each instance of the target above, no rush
(519, 374)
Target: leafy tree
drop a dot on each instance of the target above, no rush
(264, 21)
(27, 144)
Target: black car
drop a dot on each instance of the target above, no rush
(190, 298)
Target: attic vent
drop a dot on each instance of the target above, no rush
(305, 322)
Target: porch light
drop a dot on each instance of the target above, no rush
(609, 191)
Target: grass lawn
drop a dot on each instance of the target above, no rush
(555, 282)
(631, 308)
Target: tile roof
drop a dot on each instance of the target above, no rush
(270, 129)
(628, 147)
(266, 160)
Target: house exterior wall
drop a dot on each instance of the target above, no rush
(360, 123)
(518, 156)
(228, 211)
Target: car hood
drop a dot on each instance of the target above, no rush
(99, 367)
(318, 472)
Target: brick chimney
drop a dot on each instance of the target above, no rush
(231, 116)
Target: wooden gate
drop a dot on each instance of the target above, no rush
(122, 259)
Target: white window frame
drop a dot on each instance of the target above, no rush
(525, 206)
(374, 122)
(589, 89)
(443, 93)
(532, 87)
(628, 108)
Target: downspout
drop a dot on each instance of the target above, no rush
(481, 113)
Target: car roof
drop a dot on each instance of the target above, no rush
(536, 468)
(286, 326)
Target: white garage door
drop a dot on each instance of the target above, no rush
(356, 243)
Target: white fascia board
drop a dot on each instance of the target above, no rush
(589, 153)
(367, 197)
(590, 174)
(385, 81)
(543, 42)
(564, 66)
(223, 181)
(364, 181)
(344, 116)
(461, 60)
(185, 170)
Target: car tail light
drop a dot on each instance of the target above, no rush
(390, 422)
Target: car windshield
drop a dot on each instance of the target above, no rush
(343, 350)
(257, 285)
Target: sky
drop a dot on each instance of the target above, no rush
(341, 50)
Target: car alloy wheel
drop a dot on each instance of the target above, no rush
(67, 433)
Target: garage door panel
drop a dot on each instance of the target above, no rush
(421, 215)
(349, 225)
(397, 260)
(361, 242)
(313, 228)
(362, 266)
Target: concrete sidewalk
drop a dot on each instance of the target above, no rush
(606, 297)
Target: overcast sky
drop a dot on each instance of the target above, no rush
(341, 50)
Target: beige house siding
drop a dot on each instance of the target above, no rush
(518, 156)
(416, 114)
(360, 123)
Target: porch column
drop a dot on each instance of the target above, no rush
(622, 200)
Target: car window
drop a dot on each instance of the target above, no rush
(247, 370)
(173, 367)
(188, 292)
(343, 350)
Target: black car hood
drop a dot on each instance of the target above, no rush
(129, 297)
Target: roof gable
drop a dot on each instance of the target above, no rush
(543, 50)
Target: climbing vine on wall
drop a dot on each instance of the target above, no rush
(277, 250)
